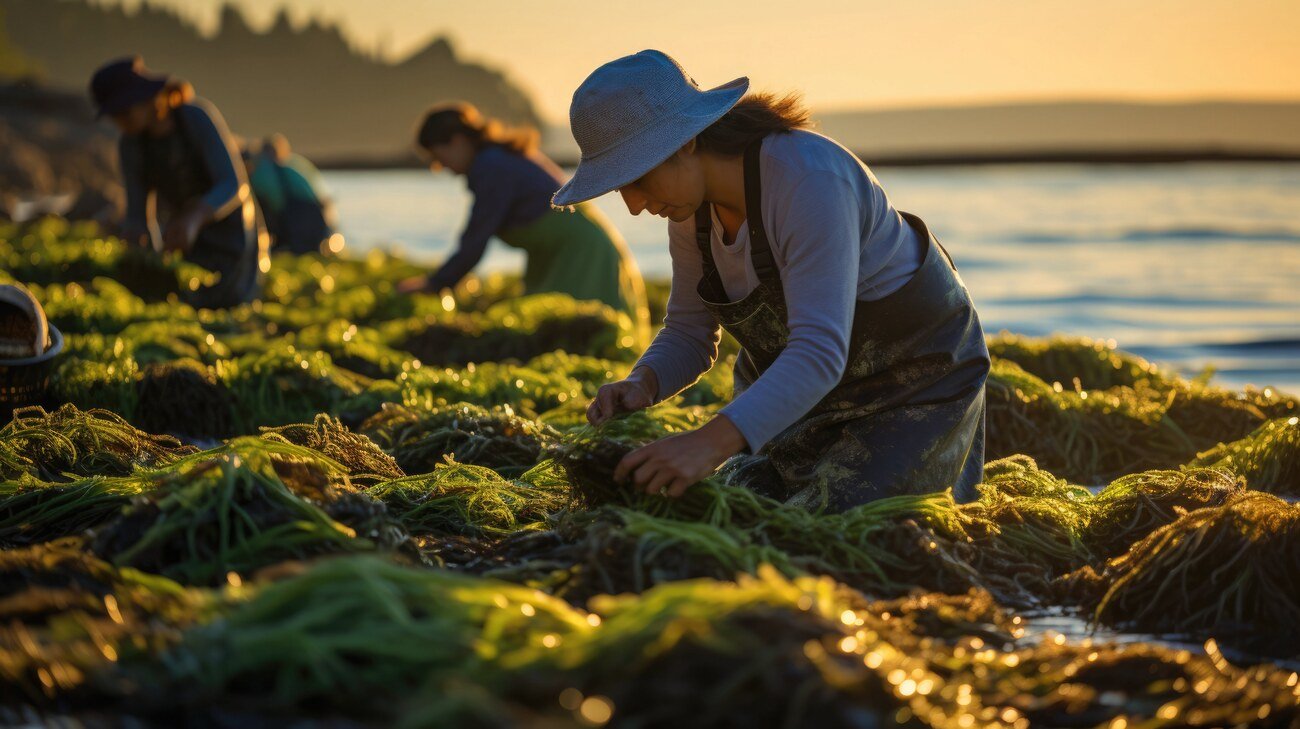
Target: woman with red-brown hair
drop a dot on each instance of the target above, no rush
(577, 252)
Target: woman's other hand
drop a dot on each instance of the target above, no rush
(635, 392)
(135, 235)
(671, 465)
(183, 230)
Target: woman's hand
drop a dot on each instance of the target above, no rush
(635, 392)
(673, 464)
(413, 285)
(136, 236)
(183, 230)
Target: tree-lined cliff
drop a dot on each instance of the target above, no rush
(307, 82)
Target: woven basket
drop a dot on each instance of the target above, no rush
(24, 379)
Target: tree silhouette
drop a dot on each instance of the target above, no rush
(307, 82)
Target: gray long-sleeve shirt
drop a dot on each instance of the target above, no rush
(836, 239)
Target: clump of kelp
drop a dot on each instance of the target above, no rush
(359, 456)
(496, 438)
(1268, 458)
(1232, 570)
(59, 445)
(345, 504)
(241, 507)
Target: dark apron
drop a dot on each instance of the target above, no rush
(908, 413)
(174, 169)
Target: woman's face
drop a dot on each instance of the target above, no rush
(456, 154)
(137, 118)
(673, 190)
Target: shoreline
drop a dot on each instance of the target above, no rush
(943, 159)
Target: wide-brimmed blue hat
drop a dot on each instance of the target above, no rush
(633, 113)
(119, 85)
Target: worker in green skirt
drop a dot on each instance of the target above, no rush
(577, 251)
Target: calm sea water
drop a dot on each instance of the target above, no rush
(1186, 265)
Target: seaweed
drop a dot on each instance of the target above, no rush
(520, 329)
(445, 343)
(31, 513)
(358, 454)
(89, 384)
(1268, 458)
(282, 387)
(244, 506)
(1132, 507)
(527, 390)
(1087, 436)
(360, 349)
(457, 595)
(462, 499)
(356, 633)
(1231, 571)
(1029, 523)
(1209, 416)
(51, 445)
(497, 438)
(184, 396)
(1078, 363)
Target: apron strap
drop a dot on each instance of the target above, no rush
(710, 279)
(760, 251)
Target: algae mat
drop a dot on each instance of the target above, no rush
(345, 507)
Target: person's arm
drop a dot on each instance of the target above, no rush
(205, 127)
(821, 239)
(492, 203)
(685, 348)
(220, 155)
(687, 345)
(135, 225)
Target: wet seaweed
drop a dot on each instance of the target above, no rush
(1268, 458)
(185, 397)
(283, 387)
(359, 633)
(1086, 436)
(363, 461)
(91, 384)
(1231, 571)
(31, 513)
(1209, 416)
(1076, 363)
(496, 438)
(736, 609)
(462, 499)
(241, 507)
(1133, 506)
(52, 446)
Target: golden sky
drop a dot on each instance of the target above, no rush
(853, 53)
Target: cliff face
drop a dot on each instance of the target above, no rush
(53, 158)
(304, 82)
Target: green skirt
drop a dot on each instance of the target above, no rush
(581, 254)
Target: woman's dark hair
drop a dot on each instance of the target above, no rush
(443, 121)
(754, 117)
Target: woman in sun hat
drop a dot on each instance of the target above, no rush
(176, 149)
(863, 363)
(577, 252)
